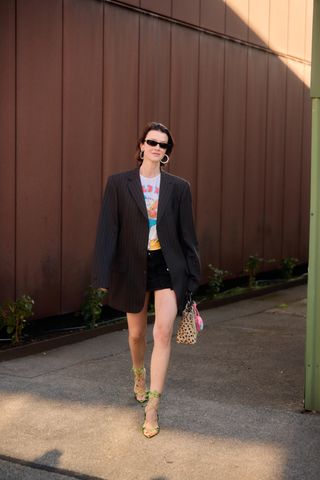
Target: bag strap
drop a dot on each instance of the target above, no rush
(189, 300)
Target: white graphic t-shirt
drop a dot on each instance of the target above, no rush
(151, 189)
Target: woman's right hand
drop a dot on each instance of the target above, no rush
(103, 289)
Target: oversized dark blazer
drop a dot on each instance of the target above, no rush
(120, 257)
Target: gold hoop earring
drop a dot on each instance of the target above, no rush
(162, 162)
(141, 155)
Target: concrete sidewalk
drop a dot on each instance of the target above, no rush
(231, 408)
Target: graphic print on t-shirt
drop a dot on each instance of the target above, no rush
(151, 188)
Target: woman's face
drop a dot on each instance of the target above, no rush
(154, 153)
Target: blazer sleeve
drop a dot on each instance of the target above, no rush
(106, 238)
(189, 239)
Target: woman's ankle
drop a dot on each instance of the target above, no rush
(153, 393)
(140, 389)
(153, 397)
(138, 369)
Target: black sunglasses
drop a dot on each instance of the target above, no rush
(153, 143)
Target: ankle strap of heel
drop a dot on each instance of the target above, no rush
(138, 371)
(153, 394)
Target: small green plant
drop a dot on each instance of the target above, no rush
(252, 267)
(216, 278)
(14, 315)
(92, 307)
(287, 266)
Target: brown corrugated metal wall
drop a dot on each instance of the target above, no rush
(79, 78)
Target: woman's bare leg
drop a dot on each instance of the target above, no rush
(137, 326)
(165, 314)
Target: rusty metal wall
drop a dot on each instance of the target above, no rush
(79, 80)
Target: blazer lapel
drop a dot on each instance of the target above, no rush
(135, 188)
(164, 195)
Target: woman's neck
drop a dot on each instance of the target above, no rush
(149, 170)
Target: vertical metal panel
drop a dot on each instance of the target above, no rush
(292, 173)
(82, 143)
(237, 18)
(209, 158)
(296, 28)
(275, 157)
(306, 169)
(255, 153)
(121, 80)
(39, 152)
(163, 7)
(278, 30)
(293, 167)
(308, 32)
(213, 15)
(259, 22)
(154, 89)
(186, 10)
(7, 149)
(233, 157)
(184, 102)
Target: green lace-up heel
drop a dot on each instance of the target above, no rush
(151, 429)
(139, 389)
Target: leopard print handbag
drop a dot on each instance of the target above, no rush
(187, 332)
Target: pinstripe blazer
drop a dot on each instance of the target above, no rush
(120, 256)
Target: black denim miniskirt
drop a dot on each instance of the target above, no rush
(158, 275)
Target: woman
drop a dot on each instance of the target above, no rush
(146, 242)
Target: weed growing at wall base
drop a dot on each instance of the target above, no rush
(14, 315)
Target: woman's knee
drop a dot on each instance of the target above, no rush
(162, 335)
(137, 335)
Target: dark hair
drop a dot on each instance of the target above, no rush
(160, 128)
